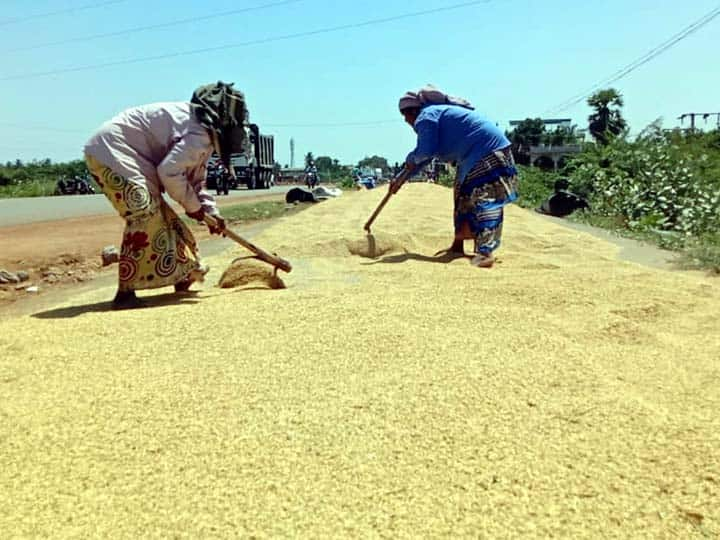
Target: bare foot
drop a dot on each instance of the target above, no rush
(458, 246)
(127, 300)
(456, 250)
(184, 286)
(483, 261)
(196, 275)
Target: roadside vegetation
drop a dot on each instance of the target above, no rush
(254, 211)
(36, 178)
(662, 186)
(251, 211)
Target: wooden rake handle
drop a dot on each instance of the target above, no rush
(261, 254)
(400, 178)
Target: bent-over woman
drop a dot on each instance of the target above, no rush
(145, 151)
(451, 130)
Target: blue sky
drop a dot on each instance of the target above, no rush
(512, 58)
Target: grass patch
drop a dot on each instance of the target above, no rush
(251, 211)
(535, 186)
(254, 211)
(32, 188)
(704, 253)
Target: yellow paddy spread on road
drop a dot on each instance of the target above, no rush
(560, 393)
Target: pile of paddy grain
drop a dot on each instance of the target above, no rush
(250, 272)
(374, 245)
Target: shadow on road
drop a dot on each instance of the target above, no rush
(444, 257)
(170, 299)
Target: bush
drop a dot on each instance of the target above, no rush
(662, 181)
(536, 185)
(37, 178)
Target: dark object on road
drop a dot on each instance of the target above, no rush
(74, 186)
(299, 194)
(562, 203)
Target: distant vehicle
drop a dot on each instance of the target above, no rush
(255, 167)
(367, 182)
(218, 177)
(311, 176)
(76, 185)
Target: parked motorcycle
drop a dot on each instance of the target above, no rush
(74, 186)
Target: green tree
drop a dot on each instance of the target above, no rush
(606, 122)
(374, 162)
(560, 136)
(330, 168)
(529, 132)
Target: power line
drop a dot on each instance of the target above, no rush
(286, 37)
(336, 124)
(371, 123)
(692, 116)
(653, 53)
(59, 12)
(154, 26)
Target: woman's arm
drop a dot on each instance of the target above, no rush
(186, 155)
(427, 142)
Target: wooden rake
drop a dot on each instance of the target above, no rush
(260, 253)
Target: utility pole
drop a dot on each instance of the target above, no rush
(292, 153)
(692, 116)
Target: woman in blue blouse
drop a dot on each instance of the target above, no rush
(449, 129)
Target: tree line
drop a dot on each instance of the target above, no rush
(604, 123)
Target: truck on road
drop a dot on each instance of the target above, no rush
(255, 167)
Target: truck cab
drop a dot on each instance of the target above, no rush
(255, 166)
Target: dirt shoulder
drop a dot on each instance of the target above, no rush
(63, 253)
(630, 250)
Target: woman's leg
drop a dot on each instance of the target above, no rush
(158, 249)
(489, 234)
(462, 205)
(490, 186)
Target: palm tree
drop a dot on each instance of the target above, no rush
(607, 121)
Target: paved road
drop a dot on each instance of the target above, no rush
(34, 209)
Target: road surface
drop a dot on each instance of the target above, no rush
(34, 209)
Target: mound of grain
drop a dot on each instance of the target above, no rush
(244, 272)
(374, 245)
(559, 394)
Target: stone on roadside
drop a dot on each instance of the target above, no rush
(8, 277)
(110, 255)
(51, 271)
(33, 289)
(22, 275)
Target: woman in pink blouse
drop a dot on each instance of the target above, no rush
(164, 147)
